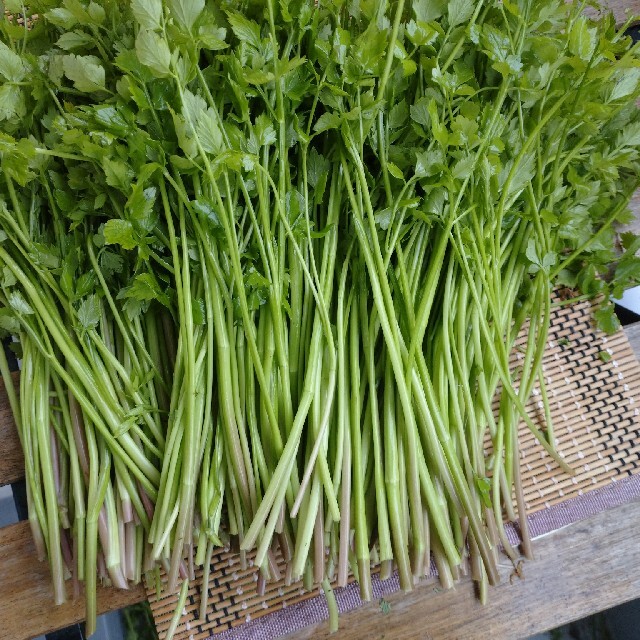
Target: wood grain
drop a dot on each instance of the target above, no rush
(26, 598)
(11, 458)
(622, 8)
(587, 567)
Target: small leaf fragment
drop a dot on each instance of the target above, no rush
(605, 356)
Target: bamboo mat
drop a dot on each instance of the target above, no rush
(593, 384)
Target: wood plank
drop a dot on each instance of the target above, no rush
(579, 570)
(623, 8)
(26, 598)
(11, 458)
(633, 335)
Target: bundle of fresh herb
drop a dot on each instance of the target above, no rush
(266, 263)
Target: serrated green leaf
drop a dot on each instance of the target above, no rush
(117, 173)
(421, 33)
(483, 485)
(294, 205)
(523, 174)
(17, 302)
(409, 67)
(86, 72)
(258, 76)
(549, 260)
(85, 284)
(463, 167)
(549, 216)
(8, 279)
(13, 6)
(370, 48)
(199, 311)
(460, 11)
(317, 167)
(212, 37)
(61, 17)
(17, 158)
(12, 103)
(139, 207)
(8, 321)
(606, 318)
(79, 11)
(208, 132)
(258, 289)
(186, 12)
(192, 107)
(96, 12)
(186, 141)
(398, 115)
(110, 263)
(630, 135)
(420, 112)
(531, 252)
(144, 288)
(438, 129)
(153, 52)
(120, 232)
(89, 313)
(74, 40)
(429, 163)
(44, 255)
(626, 83)
(207, 210)
(383, 218)
(327, 121)
(147, 12)
(11, 66)
(582, 39)
(435, 201)
(428, 10)
(244, 29)
(56, 69)
(264, 131)
(112, 118)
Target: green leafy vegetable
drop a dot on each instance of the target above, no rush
(267, 263)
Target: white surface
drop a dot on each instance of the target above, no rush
(631, 300)
(8, 513)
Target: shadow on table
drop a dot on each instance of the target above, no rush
(618, 623)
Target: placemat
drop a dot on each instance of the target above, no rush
(593, 382)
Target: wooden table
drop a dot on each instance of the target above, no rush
(583, 569)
